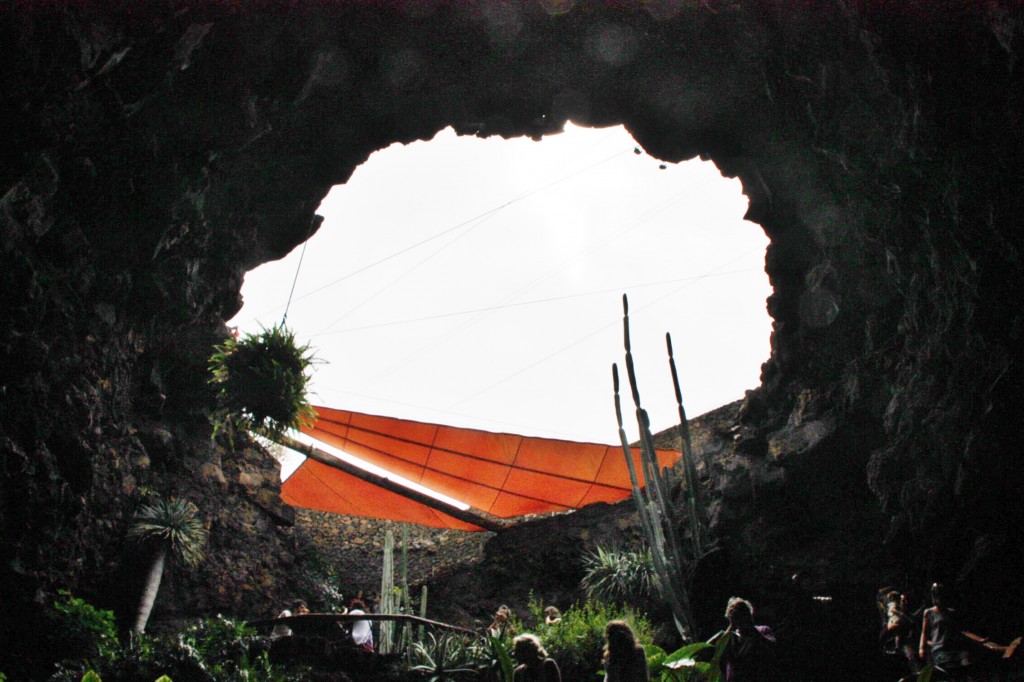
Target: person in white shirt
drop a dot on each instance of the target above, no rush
(362, 633)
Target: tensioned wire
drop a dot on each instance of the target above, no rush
(470, 221)
(634, 310)
(476, 222)
(536, 301)
(557, 268)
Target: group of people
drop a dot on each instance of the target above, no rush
(746, 654)
(360, 633)
(624, 658)
(941, 640)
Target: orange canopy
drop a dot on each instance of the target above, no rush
(317, 486)
(505, 475)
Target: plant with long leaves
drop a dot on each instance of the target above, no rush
(619, 575)
(697, 662)
(173, 529)
(442, 658)
(262, 382)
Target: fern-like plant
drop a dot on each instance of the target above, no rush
(173, 528)
(262, 381)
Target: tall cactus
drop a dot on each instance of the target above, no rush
(691, 482)
(405, 597)
(387, 592)
(672, 566)
(423, 610)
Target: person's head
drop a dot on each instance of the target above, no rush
(940, 595)
(527, 649)
(552, 614)
(619, 640)
(739, 612)
(357, 603)
(299, 607)
(502, 613)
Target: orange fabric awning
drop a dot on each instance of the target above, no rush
(317, 486)
(505, 475)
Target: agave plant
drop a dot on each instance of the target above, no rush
(616, 575)
(442, 658)
(174, 529)
(261, 381)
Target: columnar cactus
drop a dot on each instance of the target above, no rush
(673, 566)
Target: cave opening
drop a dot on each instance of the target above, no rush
(478, 282)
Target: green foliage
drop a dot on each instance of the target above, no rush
(619, 576)
(926, 674)
(82, 631)
(262, 381)
(442, 658)
(697, 662)
(502, 658)
(91, 676)
(212, 650)
(175, 522)
(576, 641)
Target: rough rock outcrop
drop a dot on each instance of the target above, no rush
(154, 152)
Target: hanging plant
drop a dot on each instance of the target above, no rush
(261, 381)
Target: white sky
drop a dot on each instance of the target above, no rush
(478, 283)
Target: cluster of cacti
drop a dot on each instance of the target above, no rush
(673, 566)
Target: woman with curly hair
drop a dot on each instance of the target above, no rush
(624, 658)
(534, 663)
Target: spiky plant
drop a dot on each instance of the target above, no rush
(442, 658)
(173, 529)
(262, 381)
(619, 576)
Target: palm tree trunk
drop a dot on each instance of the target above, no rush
(152, 586)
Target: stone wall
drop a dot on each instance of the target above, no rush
(354, 547)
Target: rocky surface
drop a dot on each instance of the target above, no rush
(155, 152)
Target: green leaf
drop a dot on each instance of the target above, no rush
(91, 676)
(688, 651)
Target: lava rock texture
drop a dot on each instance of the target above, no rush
(156, 151)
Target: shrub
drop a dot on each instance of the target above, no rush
(212, 650)
(81, 630)
(576, 641)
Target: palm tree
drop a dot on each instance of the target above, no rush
(176, 530)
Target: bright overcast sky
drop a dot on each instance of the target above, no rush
(478, 283)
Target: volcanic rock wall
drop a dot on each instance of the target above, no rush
(154, 152)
